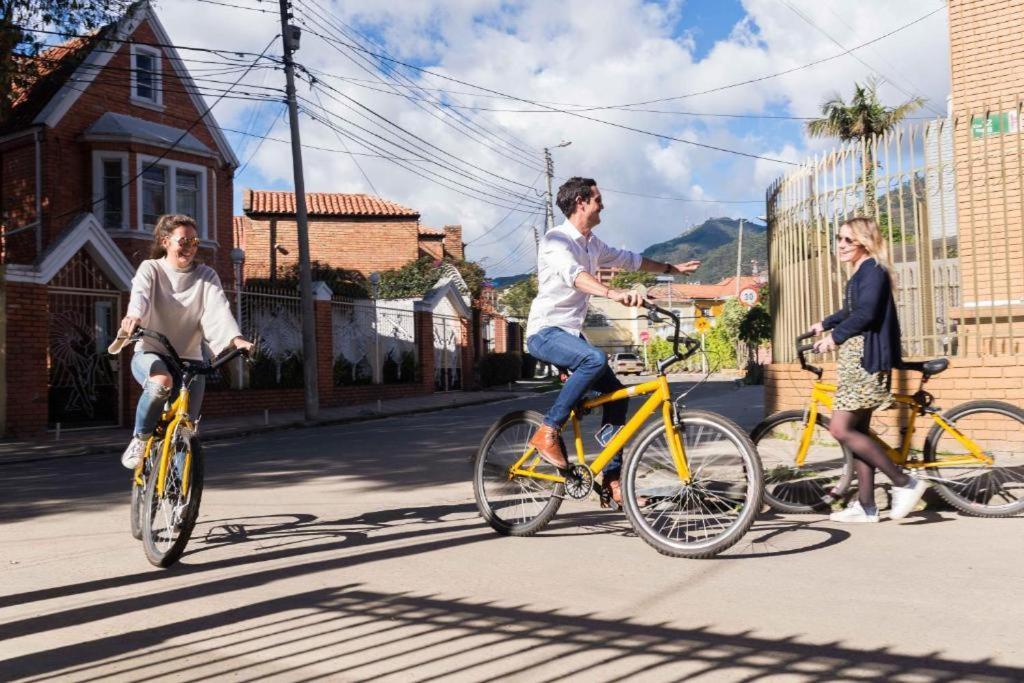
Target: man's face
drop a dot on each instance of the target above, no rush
(590, 209)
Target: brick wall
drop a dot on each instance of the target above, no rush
(453, 242)
(987, 62)
(362, 244)
(27, 380)
(787, 387)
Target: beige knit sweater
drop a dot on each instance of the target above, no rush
(188, 307)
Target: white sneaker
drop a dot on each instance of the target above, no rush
(854, 514)
(131, 456)
(904, 498)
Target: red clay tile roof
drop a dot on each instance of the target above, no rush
(323, 204)
(721, 290)
(430, 232)
(54, 66)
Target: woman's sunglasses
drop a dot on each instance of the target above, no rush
(185, 242)
(843, 239)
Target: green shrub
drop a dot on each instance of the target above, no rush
(346, 374)
(500, 368)
(268, 374)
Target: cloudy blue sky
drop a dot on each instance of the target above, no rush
(486, 61)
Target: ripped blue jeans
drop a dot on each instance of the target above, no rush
(154, 394)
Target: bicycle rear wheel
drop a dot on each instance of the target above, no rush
(810, 487)
(977, 488)
(168, 519)
(514, 505)
(707, 514)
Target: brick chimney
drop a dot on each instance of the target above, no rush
(453, 245)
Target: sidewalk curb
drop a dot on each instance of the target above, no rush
(220, 435)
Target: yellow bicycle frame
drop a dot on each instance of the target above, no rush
(176, 416)
(660, 397)
(822, 394)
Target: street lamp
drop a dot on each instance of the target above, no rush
(549, 168)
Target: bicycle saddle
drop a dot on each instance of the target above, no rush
(928, 367)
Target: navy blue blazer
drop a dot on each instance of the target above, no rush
(869, 309)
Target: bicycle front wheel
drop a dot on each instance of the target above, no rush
(966, 482)
(711, 511)
(808, 487)
(168, 518)
(514, 504)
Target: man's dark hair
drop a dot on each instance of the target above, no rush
(571, 189)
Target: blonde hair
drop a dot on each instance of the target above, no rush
(165, 225)
(866, 233)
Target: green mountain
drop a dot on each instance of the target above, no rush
(507, 280)
(713, 243)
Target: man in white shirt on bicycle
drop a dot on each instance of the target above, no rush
(569, 256)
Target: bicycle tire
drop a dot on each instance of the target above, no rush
(1003, 480)
(138, 496)
(165, 544)
(497, 494)
(726, 482)
(788, 488)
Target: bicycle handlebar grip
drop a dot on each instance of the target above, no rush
(805, 335)
(805, 348)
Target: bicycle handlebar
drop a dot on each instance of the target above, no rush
(801, 349)
(183, 366)
(691, 344)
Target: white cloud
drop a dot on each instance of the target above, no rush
(590, 53)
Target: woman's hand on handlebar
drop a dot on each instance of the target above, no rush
(824, 345)
(242, 344)
(625, 297)
(128, 325)
(816, 328)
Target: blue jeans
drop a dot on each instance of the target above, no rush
(154, 394)
(590, 370)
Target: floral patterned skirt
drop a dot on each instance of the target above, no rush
(857, 388)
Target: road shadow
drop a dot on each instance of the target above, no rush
(355, 634)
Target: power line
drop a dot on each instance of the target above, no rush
(220, 52)
(516, 145)
(342, 141)
(262, 138)
(576, 114)
(823, 32)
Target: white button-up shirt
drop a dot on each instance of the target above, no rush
(564, 254)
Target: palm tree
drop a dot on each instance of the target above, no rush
(862, 119)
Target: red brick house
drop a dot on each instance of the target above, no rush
(112, 135)
(352, 231)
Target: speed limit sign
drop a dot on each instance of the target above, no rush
(748, 296)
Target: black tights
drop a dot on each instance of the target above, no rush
(850, 428)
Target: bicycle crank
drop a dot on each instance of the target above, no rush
(579, 482)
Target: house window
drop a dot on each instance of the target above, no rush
(110, 189)
(171, 187)
(113, 198)
(154, 195)
(186, 190)
(146, 80)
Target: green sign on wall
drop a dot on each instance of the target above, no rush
(995, 124)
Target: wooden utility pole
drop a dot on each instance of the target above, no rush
(290, 38)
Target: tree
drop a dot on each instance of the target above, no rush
(416, 278)
(862, 119)
(516, 299)
(756, 327)
(21, 25)
(626, 279)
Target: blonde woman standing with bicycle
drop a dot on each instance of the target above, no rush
(867, 332)
(184, 301)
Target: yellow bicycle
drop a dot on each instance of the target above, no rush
(167, 484)
(973, 455)
(691, 481)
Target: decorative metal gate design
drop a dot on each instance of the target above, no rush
(447, 352)
(84, 381)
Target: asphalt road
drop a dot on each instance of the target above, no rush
(355, 552)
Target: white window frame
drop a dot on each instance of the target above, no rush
(172, 167)
(98, 157)
(157, 101)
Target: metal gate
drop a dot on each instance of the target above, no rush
(447, 352)
(84, 312)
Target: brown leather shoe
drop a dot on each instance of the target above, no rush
(545, 440)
